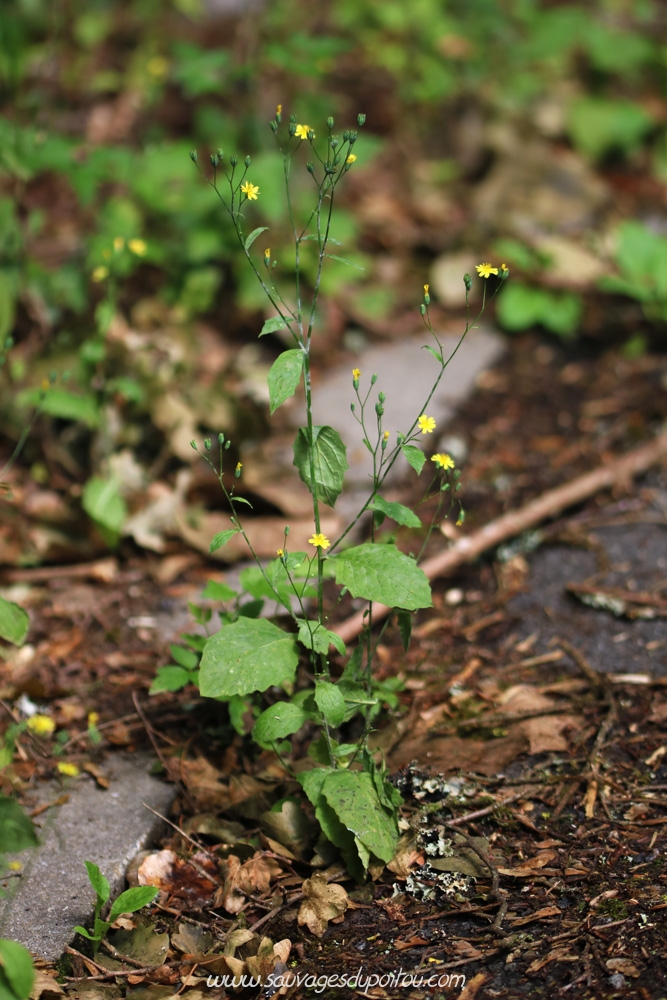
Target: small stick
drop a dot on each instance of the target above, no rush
(513, 523)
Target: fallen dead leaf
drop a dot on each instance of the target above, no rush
(324, 901)
(622, 965)
(242, 880)
(545, 911)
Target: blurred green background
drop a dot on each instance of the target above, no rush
(528, 131)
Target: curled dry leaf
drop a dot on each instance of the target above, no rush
(250, 879)
(324, 901)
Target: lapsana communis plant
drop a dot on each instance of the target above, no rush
(354, 802)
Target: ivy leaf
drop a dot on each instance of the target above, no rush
(396, 511)
(383, 574)
(253, 236)
(284, 377)
(277, 722)
(250, 654)
(330, 461)
(415, 456)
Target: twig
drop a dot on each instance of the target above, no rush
(495, 879)
(513, 523)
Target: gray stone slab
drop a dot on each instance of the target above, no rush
(106, 826)
(406, 373)
(637, 560)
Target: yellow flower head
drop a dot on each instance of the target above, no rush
(426, 424)
(69, 770)
(280, 553)
(93, 719)
(302, 131)
(279, 110)
(138, 247)
(267, 255)
(239, 466)
(351, 158)
(443, 461)
(157, 66)
(118, 244)
(356, 374)
(426, 288)
(250, 191)
(41, 725)
(15, 866)
(485, 270)
(100, 273)
(504, 267)
(320, 541)
(386, 435)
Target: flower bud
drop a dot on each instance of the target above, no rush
(292, 126)
(330, 123)
(379, 409)
(193, 445)
(361, 120)
(247, 161)
(374, 379)
(273, 126)
(233, 159)
(310, 167)
(467, 281)
(346, 135)
(422, 309)
(220, 154)
(194, 155)
(215, 160)
(381, 397)
(207, 444)
(221, 438)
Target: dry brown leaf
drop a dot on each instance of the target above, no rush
(266, 534)
(324, 901)
(545, 911)
(530, 866)
(473, 986)
(250, 879)
(622, 965)
(45, 988)
(451, 753)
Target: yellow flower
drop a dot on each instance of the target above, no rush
(386, 435)
(138, 247)
(100, 273)
(302, 131)
(15, 866)
(320, 541)
(485, 270)
(93, 719)
(426, 424)
(443, 461)
(267, 255)
(118, 244)
(41, 725)
(239, 466)
(250, 191)
(279, 110)
(157, 66)
(69, 770)
(426, 288)
(356, 374)
(504, 267)
(280, 553)
(351, 158)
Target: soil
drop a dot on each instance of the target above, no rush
(550, 711)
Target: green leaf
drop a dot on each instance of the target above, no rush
(415, 456)
(436, 354)
(383, 574)
(221, 539)
(216, 591)
(16, 965)
(331, 703)
(314, 636)
(184, 657)
(249, 240)
(14, 622)
(284, 377)
(170, 678)
(102, 501)
(98, 881)
(396, 511)
(404, 619)
(344, 260)
(273, 325)
(248, 655)
(64, 404)
(16, 830)
(353, 797)
(277, 722)
(330, 461)
(132, 900)
(601, 125)
(91, 937)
